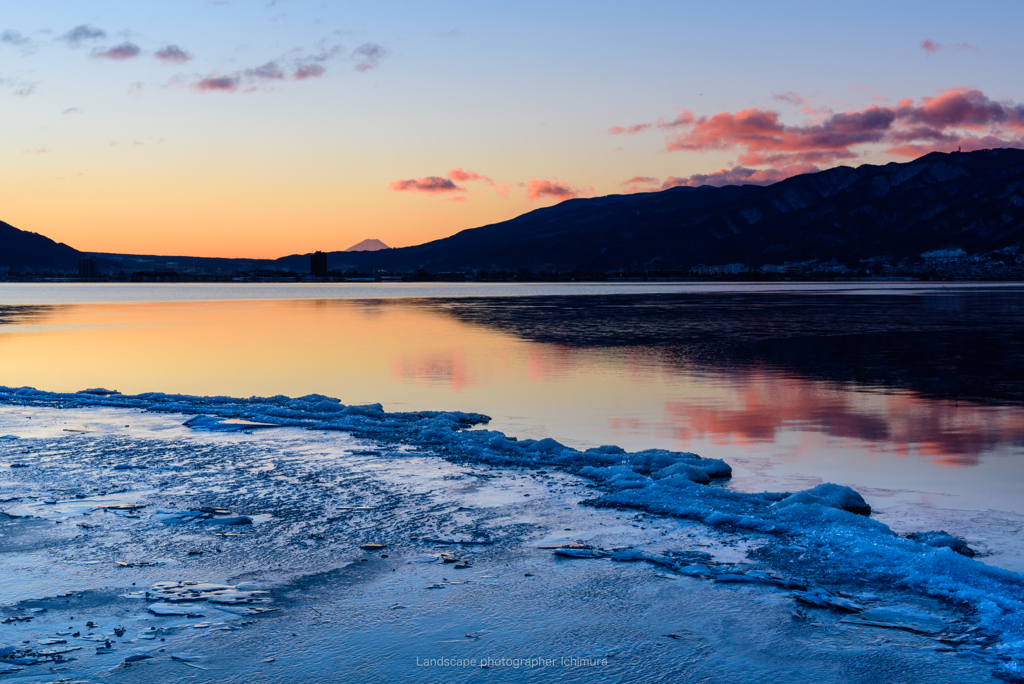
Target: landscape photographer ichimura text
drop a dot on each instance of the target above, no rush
(514, 663)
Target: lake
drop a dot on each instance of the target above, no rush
(911, 393)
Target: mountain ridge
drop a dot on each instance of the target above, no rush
(24, 249)
(972, 201)
(965, 204)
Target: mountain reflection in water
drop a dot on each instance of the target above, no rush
(840, 385)
(949, 364)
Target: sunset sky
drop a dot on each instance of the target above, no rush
(260, 129)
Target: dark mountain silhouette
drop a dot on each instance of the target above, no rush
(22, 250)
(972, 201)
(368, 245)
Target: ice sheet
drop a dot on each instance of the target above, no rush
(808, 534)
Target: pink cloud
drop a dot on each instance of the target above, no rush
(309, 71)
(538, 189)
(765, 139)
(439, 185)
(960, 108)
(959, 117)
(462, 176)
(260, 77)
(430, 185)
(119, 53)
(639, 184)
(738, 175)
(224, 84)
(931, 47)
(172, 54)
(264, 77)
(683, 119)
(628, 130)
(769, 149)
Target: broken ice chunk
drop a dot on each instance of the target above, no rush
(216, 424)
(941, 539)
(831, 496)
(899, 617)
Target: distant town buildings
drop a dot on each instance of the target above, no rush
(951, 262)
(87, 269)
(725, 269)
(318, 264)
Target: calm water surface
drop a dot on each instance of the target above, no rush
(912, 394)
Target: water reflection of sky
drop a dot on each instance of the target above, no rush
(909, 392)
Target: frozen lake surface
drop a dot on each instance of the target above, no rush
(102, 495)
(909, 394)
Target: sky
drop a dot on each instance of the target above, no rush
(260, 129)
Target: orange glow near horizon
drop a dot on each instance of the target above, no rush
(257, 217)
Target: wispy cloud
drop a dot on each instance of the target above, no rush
(685, 118)
(539, 189)
(172, 54)
(35, 151)
(791, 97)
(262, 77)
(11, 37)
(119, 53)
(223, 84)
(269, 71)
(640, 183)
(461, 175)
(19, 88)
(738, 175)
(81, 34)
(430, 185)
(931, 47)
(72, 110)
(304, 71)
(368, 56)
(629, 130)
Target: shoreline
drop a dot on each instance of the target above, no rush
(424, 436)
(193, 292)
